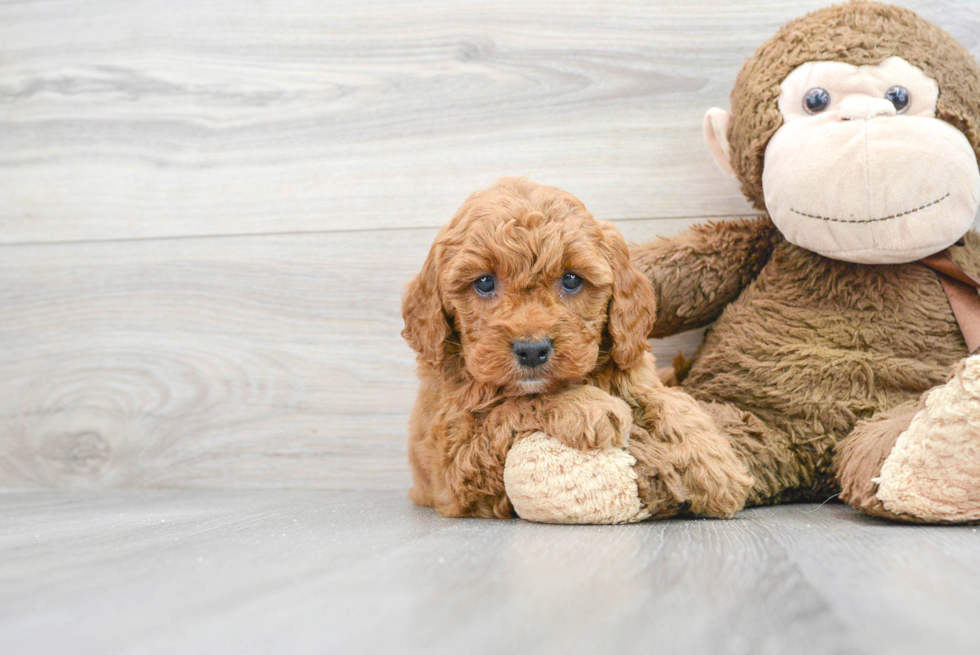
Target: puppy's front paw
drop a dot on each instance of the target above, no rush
(588, 418)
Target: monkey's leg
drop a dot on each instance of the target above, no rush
(861, 455)
(920, 461)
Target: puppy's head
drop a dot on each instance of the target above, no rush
(525, 290)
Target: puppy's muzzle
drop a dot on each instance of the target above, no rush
(532, 353)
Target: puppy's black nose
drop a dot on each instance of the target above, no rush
(532, 353)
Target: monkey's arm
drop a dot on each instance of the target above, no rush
(696, 273)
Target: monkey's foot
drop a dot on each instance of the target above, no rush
(933, 471)
(549, 482)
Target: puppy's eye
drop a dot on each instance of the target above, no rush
(484, 285)
(571, 282)
(898, 96)
(816, 100)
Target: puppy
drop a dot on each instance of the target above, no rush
(528, 316)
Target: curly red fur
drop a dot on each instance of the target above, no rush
(598, 388)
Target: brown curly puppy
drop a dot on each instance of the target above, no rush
(528, 316)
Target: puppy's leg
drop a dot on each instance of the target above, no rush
(464, 454)
(584, 418)
(467, 466)
(683, 460)
(783, 470)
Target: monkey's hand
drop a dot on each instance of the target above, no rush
(549, 482)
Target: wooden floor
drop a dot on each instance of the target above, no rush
(364, 572)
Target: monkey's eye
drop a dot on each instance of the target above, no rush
(571, 282)
(816, 100)
(484, 285)
(898, 96)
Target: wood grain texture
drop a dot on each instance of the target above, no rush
(208, 210)
(248, 361)
(363, 572)
(153, 118)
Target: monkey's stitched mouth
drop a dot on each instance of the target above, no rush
(870, 220)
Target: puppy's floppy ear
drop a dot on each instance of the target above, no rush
(426, 324)
(633, 307)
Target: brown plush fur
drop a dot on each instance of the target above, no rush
(808, 356)
(804, 351)
(856, 33)
(861, 455)
(599, 386)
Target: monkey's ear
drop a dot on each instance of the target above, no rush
(632, 308)
(716, 123)
(426, 324)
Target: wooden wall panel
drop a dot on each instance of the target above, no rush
(215, 362)
(158, 118)
(208, 210)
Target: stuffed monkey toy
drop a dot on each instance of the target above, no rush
(841, 321)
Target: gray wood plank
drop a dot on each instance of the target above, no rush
(289, 572)
(152, 118)
(152, 571)
(164, 561)
(911, 585)
(246, 362)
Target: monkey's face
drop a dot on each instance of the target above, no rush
(862, 170)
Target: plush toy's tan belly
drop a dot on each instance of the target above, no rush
(813, 345)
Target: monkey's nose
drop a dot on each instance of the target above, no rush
(532, 353)
(865, 107)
